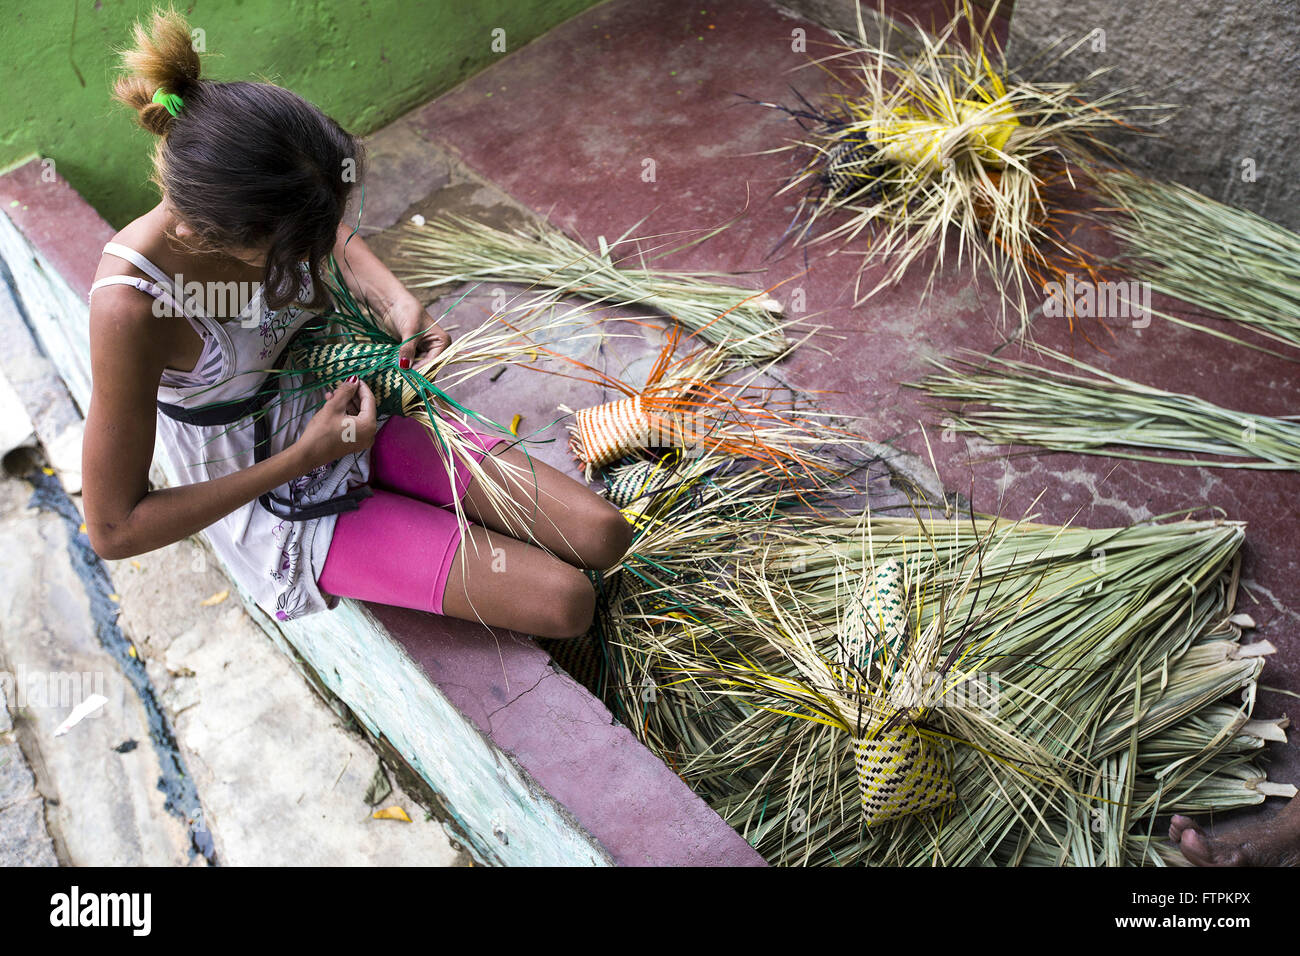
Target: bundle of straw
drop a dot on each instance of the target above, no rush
(944, 140)
(1098, 413)
(1101, 658)
(712, 500)
(451, 250)
(1227, 261)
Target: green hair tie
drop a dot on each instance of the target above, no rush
(169, 101)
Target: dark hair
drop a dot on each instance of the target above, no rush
(243, 164)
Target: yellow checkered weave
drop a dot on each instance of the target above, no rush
(899, 774)
(898, 771)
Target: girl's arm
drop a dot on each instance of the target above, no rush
(371, 280)
(125, 518)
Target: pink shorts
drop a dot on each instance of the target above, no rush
(398, 547)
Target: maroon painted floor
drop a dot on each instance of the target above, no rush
(566, 125)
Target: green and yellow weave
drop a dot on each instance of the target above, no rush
(634, 481)
(899, 772)
(332, 362)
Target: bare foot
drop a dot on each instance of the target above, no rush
(1273, 842)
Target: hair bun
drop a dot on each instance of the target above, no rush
(163, 57)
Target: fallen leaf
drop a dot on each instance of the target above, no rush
(391, 813)
(215, 599)
(80, 713)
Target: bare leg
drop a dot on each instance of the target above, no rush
(564, 516)
(1273, 842)
(502, 582)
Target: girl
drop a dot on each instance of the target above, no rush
(303, 508)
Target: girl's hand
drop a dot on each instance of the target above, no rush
(408, 318)
(345, 424)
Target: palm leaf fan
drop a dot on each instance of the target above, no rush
(1107, 659)
(1093, 412)
(1230, 262)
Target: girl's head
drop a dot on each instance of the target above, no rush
(248, 169)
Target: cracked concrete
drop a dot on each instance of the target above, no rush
(280, 779)
(514, 700)
(24, 839)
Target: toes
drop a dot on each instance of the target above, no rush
(1204, 852)
(1178, 824)
(1195, 848)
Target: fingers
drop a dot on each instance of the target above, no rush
(431, 346)
(406, 354)
(342, 391)
(367, 397)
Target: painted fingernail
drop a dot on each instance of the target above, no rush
(353, 378)
(404, 362)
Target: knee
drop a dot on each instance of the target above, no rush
(569, 605)
(609, 536)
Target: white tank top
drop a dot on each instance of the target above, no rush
(275, 559)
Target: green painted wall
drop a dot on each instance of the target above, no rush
(364, 62)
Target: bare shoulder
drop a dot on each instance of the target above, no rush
(122, 317)
(123, 311)
(125, 334)
(145, 235)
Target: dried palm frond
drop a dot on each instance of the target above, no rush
(1075, 686)
(912, 147)
(692, 514)
(1225, 260)
(452, 249)
(1098, 413)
